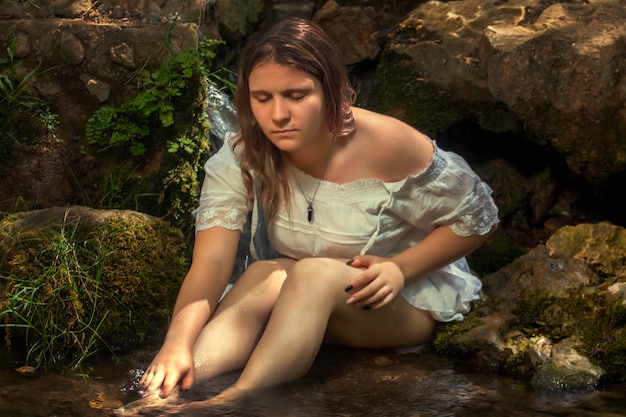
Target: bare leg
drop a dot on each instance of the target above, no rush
(311, 308)
(227, 340)
(229, 337)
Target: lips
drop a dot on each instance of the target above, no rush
(286, 132)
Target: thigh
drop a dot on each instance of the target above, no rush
(394, 325)
(260, 282)
(397, 324)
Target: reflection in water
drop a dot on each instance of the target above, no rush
(343, 382)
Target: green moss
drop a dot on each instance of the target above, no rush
(517, 361)
(79, 288)
(601, 245)
(447, 336)
(144, 268)
(587, 315)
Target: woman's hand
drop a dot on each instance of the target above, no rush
(380, 282)
(173, 365)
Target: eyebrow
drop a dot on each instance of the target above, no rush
(285, 92)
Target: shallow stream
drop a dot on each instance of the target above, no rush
(342, 383)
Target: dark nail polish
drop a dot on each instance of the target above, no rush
(366, 308)
(349, 261)
(348, 288)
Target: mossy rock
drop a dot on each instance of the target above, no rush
(601, 245)
(570, 289)
(78, 281)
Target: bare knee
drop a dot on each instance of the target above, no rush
(312, 277)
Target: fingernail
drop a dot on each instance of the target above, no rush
(348, 288)
(366, 308)
(351, 300)
(349, 261)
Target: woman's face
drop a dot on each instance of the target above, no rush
(288, 105)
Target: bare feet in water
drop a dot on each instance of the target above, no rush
(148, 405)
(221, 404)
(154, 405)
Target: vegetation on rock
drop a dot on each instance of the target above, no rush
(86, 284)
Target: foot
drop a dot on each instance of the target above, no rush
(151, 404)
(229, 396)
(227, 402)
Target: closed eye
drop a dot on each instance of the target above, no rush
(261, 99)
(297, 97)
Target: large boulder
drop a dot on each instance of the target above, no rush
(557, 67)
(77, 281)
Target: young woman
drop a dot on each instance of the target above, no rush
(371, 221)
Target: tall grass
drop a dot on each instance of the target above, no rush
(56, 310)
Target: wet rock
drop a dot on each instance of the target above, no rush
(561, 367)
(430, 72)
(601, 245)
(568, 67)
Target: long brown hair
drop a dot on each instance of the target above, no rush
(302, 45)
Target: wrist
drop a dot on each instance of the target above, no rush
(400, 268)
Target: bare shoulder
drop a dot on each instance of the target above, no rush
(395, 148)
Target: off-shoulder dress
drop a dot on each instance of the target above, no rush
(368, 216)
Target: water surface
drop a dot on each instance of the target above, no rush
(342, 383)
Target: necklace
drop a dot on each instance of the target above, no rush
(309, 201)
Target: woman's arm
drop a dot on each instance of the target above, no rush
(384, 278)
(214, 255)
(213, 259)
(440, 248)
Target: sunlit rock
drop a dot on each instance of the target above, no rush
(555, 315)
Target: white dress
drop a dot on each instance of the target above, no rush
(365, 217)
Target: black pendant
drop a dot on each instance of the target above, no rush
(309, 212)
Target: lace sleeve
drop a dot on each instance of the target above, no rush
(223, 199)
(448, 192)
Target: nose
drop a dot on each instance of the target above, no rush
(280, 111)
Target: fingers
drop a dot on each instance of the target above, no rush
(170, 381)
(360, 280)
(187, 381)
(376, 286)
(150, 381)
(374, 295)
(159, 381)
(361, 261)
